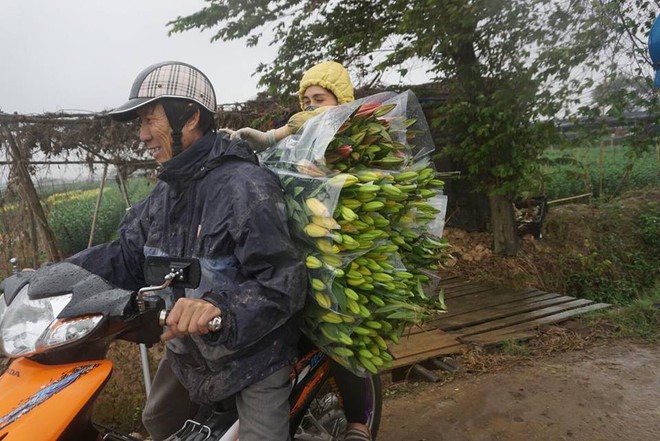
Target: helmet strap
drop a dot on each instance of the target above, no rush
(177, 122)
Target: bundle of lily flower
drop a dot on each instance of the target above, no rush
(357, 191)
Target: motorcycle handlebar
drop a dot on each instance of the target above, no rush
(213, 325)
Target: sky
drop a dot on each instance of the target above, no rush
(79, 56)
(83, 55)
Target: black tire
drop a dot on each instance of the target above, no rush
(327, 413)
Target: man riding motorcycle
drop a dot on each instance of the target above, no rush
(212, 202)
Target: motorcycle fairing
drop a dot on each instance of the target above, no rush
(40, 401)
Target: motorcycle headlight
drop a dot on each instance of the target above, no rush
(31, 326)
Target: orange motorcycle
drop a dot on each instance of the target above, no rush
(56, 324)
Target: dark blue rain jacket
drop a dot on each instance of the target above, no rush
(215, 203)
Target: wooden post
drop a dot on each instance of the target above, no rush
(545, 174)
(99, 198)
(30, 194)
(124, 190)
(34, 237)
(570, 198)
(587, 176)
(600, 168)
(425, 373)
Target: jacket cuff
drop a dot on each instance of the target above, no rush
(219, 337)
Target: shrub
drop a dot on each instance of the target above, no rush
(621, 261)
(649, 226)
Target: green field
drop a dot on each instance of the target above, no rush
(604, 173)
(70, 214)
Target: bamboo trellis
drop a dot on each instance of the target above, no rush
(82, 139)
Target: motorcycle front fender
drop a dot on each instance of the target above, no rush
(41, 402)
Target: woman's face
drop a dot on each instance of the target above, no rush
(317, 96)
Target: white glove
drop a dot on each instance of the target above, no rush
(299, 119)
(229, 132)
(257, 139)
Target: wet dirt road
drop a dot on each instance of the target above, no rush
(606, 392)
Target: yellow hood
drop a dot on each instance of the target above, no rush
(331, 76)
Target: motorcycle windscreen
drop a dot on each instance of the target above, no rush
(40, 401)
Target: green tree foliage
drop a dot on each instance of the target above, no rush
(510, 66)
(624, 86)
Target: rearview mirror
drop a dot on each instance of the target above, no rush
(188, 270)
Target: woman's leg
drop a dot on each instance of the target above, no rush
(354, 392)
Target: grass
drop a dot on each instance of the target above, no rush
(515, 348)
(608, 252)
(574, 171)
(639, 319)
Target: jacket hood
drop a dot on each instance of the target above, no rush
(331, 76)
(204, 155)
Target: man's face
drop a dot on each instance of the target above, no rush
(155, 132)
(319, 97)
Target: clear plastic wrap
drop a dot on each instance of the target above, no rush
(355, 189)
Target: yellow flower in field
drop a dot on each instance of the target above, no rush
(76, 195)
(9, 208)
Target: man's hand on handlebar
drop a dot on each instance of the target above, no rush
(189, 317)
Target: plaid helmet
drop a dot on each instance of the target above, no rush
(168, 79)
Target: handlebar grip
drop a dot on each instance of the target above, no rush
(214, 324)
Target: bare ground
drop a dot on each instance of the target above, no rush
(606, 391)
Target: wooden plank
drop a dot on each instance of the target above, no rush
(459, 289)
(418, 329)
(495, 338)
(423, 356)
(456, 284)
(481, 313)
(450, 279)
(422, 342)
(467, 290)
(453, 281)
(464, 285)
(462, 290)
(520, 318)
(522, 330)
(479, 301)
(498, 312)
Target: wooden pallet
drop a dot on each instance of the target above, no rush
(479, 313)
(420, 346)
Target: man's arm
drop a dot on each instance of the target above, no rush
(276, 276)
(120, 261)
